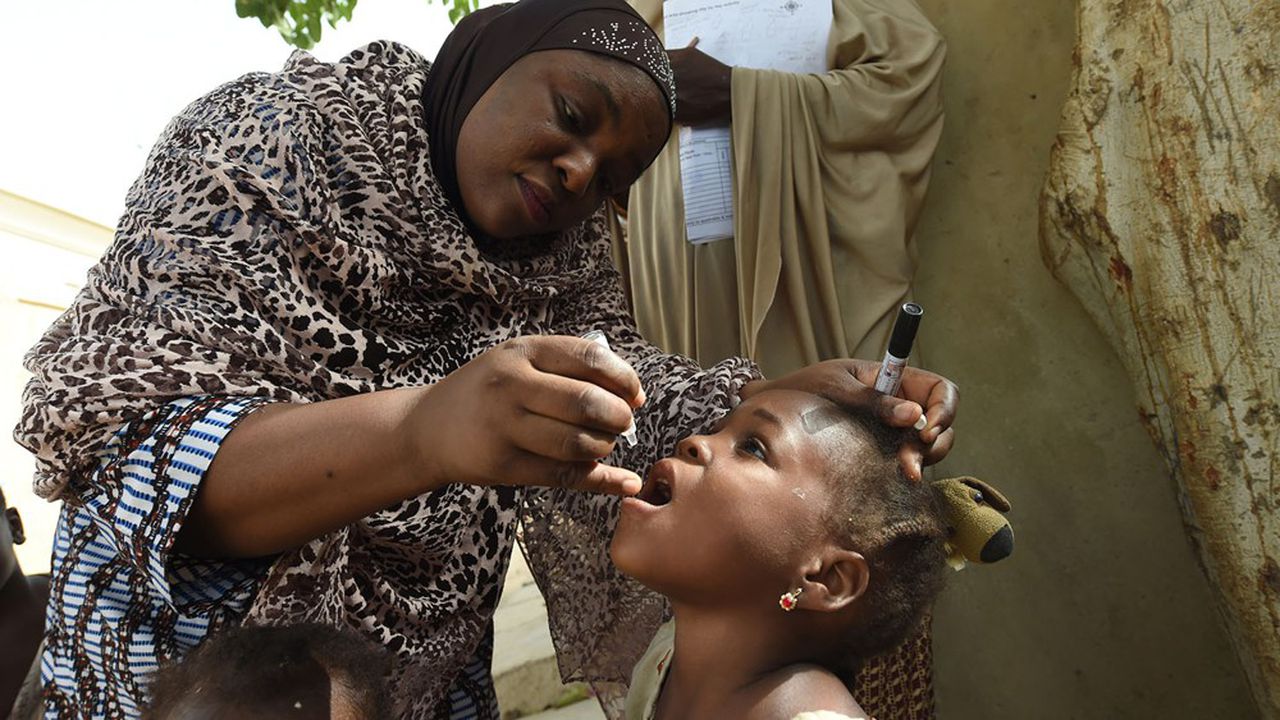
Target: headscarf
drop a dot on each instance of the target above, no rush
(491, 40)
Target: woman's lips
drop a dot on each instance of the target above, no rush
(537, 207)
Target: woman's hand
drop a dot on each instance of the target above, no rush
(703, 87)
(851, 383)
(531, 411)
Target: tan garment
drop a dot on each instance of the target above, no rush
(830, 174)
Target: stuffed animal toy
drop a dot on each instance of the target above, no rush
(977, 528)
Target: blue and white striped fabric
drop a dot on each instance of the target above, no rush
(121, 601)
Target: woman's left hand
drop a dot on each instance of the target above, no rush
(703, 94)
(852, 383)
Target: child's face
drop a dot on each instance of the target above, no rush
(732, 516)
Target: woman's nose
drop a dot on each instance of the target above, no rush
(577, 170)
(695, 449)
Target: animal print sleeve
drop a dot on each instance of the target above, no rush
(601, 621)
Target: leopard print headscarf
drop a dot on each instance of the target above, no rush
(287, 239)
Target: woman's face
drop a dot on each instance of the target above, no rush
(731, 516)
(556, 134)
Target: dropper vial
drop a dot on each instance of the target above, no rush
(598, 337)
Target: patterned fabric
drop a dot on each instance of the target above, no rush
(899, 684)
(120, 600)
(154, 467)
(288, 241)
(475, 681)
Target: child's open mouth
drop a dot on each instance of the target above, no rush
(657, 488)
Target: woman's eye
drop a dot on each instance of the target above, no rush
(570, 117)
(752, 446)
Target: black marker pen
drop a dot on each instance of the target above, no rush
(895, 358)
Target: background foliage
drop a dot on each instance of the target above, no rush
(300, 22)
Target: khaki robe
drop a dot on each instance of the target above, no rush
(830, 172)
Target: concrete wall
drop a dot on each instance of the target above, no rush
(1102, 611)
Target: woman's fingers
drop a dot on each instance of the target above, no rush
(939, 396)
(526, 468)
(911, 459)
(914, 456)
(559, 440)
(584, 360)
(939, 448)
(926, 401)
(850, 383)
(576, 402)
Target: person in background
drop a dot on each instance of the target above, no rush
(304, 672)
(22, 605)
(830, 172)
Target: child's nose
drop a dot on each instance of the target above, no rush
(695, 449)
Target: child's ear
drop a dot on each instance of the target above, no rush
(836, 580)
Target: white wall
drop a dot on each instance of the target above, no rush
(44, 255)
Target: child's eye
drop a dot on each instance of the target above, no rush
(752, 446)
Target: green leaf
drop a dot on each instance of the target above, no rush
(300, 22)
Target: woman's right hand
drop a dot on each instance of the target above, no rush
(537, 410)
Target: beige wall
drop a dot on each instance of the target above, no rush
(46, 254)
(1103, 611)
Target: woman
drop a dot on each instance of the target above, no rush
(311, 378)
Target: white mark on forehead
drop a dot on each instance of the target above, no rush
(798, 492)
(818, 419)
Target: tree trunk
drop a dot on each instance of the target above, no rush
(1161, 213)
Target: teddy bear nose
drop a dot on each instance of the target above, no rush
(999, 547)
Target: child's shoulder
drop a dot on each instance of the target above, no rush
(797, 689)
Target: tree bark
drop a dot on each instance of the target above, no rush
(1161, 213)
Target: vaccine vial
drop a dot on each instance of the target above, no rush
(597, 337)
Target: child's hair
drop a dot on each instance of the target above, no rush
(250, 671)
(896, 524)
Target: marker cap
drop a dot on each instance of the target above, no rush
(904, 330)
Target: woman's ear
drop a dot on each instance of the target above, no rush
(835, 580)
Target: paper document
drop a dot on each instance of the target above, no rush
(787, 35)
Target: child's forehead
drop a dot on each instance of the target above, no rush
(792, 407)
(816, 419)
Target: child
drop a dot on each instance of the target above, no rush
(308, 672)
(791, 548)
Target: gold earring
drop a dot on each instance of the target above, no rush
(788, 600)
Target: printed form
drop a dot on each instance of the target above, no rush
(786, 35)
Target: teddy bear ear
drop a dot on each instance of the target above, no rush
(990, 495)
